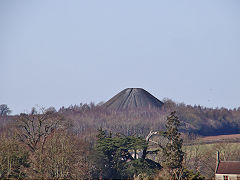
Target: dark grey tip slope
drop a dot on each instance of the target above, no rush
(132, 98)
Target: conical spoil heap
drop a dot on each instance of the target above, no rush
(132, 98)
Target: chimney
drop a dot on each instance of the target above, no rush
(217, 161)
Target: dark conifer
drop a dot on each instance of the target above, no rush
(173, 154)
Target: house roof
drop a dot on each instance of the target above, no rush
(228, 167)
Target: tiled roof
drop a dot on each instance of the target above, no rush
(228, 167)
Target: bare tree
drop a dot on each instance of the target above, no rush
(150, 140)
(13, 158)
(4, 110)
(34, 128)
(66, 156)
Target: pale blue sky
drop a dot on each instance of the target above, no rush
(62, 52)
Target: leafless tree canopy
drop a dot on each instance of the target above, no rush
(33, 129)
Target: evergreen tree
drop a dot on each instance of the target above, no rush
(111, 154)
(172, 152)
(116, 157)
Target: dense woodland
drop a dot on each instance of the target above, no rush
(88, 141)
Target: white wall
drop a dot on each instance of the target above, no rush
(230, 176)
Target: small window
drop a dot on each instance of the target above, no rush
(225, 177)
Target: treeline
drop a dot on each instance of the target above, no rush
(194, 119)
(198, 120)
(207, 121)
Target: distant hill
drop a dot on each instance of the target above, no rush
(132, 98)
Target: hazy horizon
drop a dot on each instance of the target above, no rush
(58, 53)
